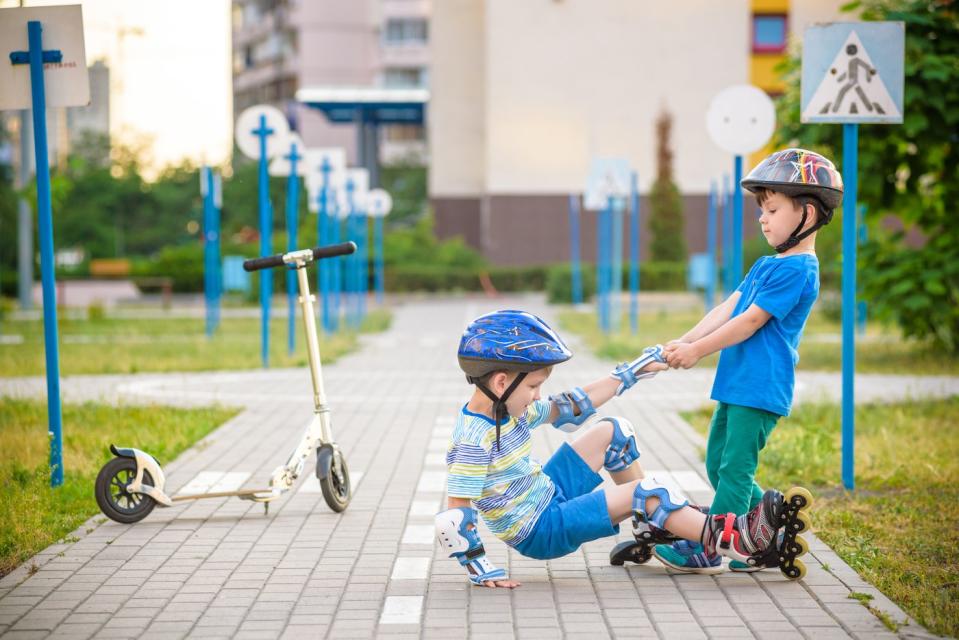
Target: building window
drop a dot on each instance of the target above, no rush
(404, 133)
(405, 31)
(769, 33)
(404, 77)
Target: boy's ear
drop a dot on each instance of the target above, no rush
(497, 382)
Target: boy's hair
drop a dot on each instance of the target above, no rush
(799, 202)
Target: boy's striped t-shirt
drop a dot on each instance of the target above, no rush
(506, 486)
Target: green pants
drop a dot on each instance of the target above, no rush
(736, 436)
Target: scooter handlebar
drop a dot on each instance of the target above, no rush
(329, 251)
(334, 250)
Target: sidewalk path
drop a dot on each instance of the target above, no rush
(221, 568)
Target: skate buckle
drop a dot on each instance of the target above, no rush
(726, 537)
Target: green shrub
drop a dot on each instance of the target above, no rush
(653, 276)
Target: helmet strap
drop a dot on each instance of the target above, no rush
(500, 412)
(798, 235)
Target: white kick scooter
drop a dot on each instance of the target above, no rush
(130, 485)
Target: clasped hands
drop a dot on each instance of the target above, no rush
(681, 355)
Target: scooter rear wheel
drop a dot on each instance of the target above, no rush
(336, 485)
(114, 500)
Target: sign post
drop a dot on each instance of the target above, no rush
(260, 131)
(324, 172)
(740, 120)
(287, 163)
(608, 181)
(575, 273)
(211, 189)
(711, 248)
(357, 189)
(852, 73)
(634, 252)
(379, 203)
(38, 78)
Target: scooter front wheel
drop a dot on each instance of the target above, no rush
(336, 483)
(114, 500)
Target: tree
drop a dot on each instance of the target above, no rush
(666, 220)
(910, 171)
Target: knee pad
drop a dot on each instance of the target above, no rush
(670, 500)
(566, 403)
(622, 450)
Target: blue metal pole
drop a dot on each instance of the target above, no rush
(737, 272)
(217, 263)
(378, 240)
(208, 237)
(727, 217)
(266, 244)
(616, 263)
(45, 233)
(850, 170)
(322, 233)
(292, 215)
(606, 218)
(351, 259)
(364, 259)
(336, 279)
(576, 274)
(600, 272)
(711, 247)
(861, 309)
(634, 253)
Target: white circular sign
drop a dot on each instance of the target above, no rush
(281, 163)
(334, 161)
(741, 119)
(379, 203)
(250, 120)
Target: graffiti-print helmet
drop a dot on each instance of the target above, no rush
(798, 172)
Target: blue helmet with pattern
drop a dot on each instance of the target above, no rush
(509, 340)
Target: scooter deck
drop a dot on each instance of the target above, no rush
(242, 493)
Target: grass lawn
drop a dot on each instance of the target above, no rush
(900, 528)
(879, 351)
(34, 516)
(110, 345)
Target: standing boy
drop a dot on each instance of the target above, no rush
(757, 330)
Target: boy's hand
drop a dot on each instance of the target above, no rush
(502, 584)
(681, 355)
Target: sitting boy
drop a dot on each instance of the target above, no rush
(549, 511)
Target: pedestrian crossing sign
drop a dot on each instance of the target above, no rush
(852, 72)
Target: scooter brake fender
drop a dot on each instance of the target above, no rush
(145, 462)
(324, 460)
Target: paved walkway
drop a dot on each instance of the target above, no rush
(222, 568)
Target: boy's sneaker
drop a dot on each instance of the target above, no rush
(688, 557)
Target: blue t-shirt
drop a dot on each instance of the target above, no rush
(760, 372)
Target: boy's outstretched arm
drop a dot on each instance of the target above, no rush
(456, 532)
(570, 409)
(686, 354)
(716, 318)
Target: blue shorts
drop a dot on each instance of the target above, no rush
(575, 515)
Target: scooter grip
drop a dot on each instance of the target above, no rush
(333, 250)
(255, 264)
